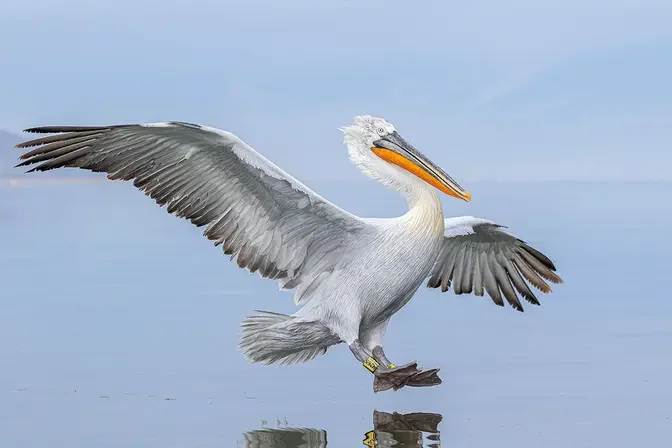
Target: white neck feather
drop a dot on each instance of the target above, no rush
(425, 209)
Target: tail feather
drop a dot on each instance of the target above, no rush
(274, 338)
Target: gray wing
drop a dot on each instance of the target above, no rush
(273, 224)
(478, 255)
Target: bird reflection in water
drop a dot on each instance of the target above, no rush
(286, 438)
(413, 430)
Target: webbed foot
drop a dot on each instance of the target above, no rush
(408, 375)
(387, 375)
(394, 378)
(425, 378)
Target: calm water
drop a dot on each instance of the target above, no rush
(119, 324)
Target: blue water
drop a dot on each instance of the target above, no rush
(119, 325)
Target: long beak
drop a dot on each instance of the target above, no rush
(394, 149)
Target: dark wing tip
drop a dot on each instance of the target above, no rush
(551, 272)
(555, 278)
(58, 129)
(539, 256)
(515, 304)
(19, 165)
(434, 282)
(531, 298)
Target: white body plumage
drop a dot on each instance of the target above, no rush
(383, 273)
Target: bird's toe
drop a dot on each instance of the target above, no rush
(424, 378)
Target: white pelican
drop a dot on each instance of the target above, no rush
(350, 274)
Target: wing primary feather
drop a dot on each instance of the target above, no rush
(516, 279)
(504, 283)
(468, 274)
(43, 151)
(538, 255)
(530, 275)
(60, 161)
(459, 269)
(490, 282)
(538, 266)
(57, 129)
(446, 271)
(435, 279)
(55, 153)
(478, 272)
(51, 139)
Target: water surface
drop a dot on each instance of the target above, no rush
(119, 325)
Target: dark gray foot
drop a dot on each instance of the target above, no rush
(395, 378)
(408, 375)
(388, 376)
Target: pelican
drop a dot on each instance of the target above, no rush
(349, 274)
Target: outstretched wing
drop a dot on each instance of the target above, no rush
(477, 254)
(272, 223)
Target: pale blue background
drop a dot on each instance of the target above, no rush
(522, 89)
(554, 115)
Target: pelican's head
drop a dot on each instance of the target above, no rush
(377, 148)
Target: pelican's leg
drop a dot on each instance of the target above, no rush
(379, 354)
(372, 339)
(361, 353)
(384, 377)
(389, 376)
(394, 377)
(386, 374)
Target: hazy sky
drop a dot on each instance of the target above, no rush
(489, 89)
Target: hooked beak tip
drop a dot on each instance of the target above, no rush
(467, 196)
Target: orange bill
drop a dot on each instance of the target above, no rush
(437, 180)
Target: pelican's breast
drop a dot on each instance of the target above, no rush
(400, 260)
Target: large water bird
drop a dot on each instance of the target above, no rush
(349, 274)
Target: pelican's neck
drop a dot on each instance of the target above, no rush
(425, 212)
(420, 196)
